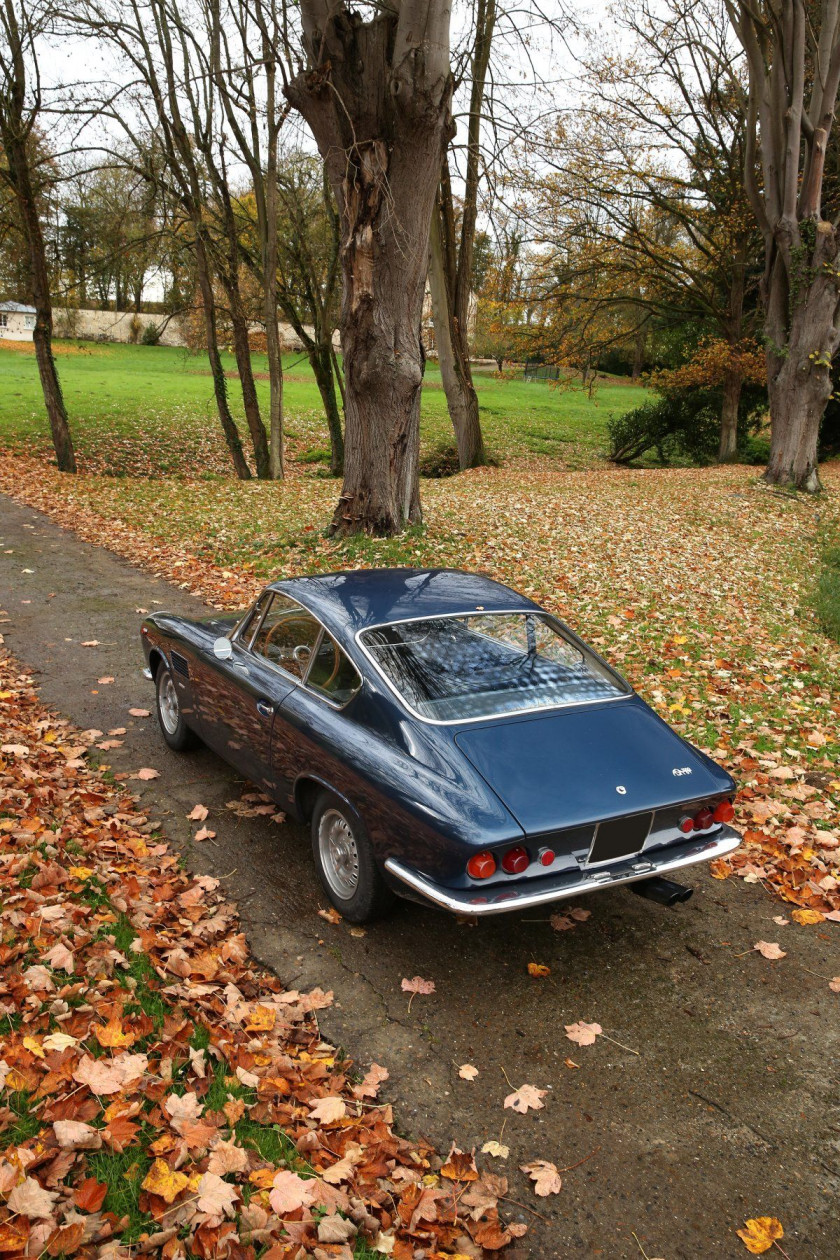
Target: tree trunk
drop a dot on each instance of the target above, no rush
(276, 453)
(728, 447)
(322, 366)
(453, 357)
(208, 300)
(382, 135)
(21, 182)
(802, 335)
(242, 351)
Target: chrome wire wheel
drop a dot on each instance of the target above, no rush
(339, 854)
(170, 713)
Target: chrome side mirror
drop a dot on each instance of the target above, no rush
(223, 648)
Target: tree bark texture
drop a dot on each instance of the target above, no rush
(802, 303)
(377, 99)
(728, 446)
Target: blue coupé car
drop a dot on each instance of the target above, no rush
(445, 738)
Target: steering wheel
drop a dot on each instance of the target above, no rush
(284, 624)
(336, 665)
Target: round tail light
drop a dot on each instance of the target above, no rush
(546, 857)
(724, 812)
(687, 825)
(704, 819)
(516, 860)
(481, 865)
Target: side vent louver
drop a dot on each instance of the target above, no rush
(179, 664)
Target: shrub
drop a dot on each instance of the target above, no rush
(152, 334)
(682, 425)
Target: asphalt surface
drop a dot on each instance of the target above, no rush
(728, 1109)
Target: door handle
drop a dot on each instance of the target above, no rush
(265, 709)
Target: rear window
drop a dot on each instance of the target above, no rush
(450, 669)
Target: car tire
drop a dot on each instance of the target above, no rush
(345, 862)
(173, 727)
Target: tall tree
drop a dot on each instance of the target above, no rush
(22, 27)
(376, 94)
(643, 211)
(793, 54)
(451, 250)
(245, 39)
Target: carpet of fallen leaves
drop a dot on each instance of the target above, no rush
(160, 1094)
(694, 583)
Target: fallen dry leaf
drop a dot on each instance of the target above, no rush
(467, 1072)
(289, 1192)
(769, 949)
(527, 1096)
(198, 813)
(538, 970)
(204, 833)
(583, 1034)
(163, 1181)
(497, 1149)
(760, 1234)
(331, 915)
(140, 713)
(544, 1175)
(807, 917)
(146, 774)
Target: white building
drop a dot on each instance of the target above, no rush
(16, 321)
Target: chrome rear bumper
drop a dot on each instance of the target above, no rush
(506, 898)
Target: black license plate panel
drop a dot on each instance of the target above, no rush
(619, 838)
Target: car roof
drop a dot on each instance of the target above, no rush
(349, 601)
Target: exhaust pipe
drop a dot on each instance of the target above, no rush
(665, 892)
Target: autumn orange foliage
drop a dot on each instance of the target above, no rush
(142, 1038)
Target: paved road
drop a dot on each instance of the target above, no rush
(724, 1113)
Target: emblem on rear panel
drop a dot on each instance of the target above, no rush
(622, 791)
(679, 770)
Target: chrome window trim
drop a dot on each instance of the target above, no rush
(298, 682)
(509, 713)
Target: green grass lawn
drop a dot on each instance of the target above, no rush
(150, 409)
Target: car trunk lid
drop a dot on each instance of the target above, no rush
(575, 766)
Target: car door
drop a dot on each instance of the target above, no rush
(250, 677)
(309, 725)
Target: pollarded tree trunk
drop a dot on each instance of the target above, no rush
(376, 96)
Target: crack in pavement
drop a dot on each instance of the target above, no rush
(671, 1167)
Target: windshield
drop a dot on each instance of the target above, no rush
(450, 669)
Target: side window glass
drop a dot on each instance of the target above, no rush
(331, 673)
(287, 636)
(251, 620)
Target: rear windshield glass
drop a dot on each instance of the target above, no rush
(453, 668)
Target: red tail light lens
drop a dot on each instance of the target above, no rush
(687, 825)
(724, 812)
(515, 860)
(546, 857)
(481, 865)
(704, 819)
